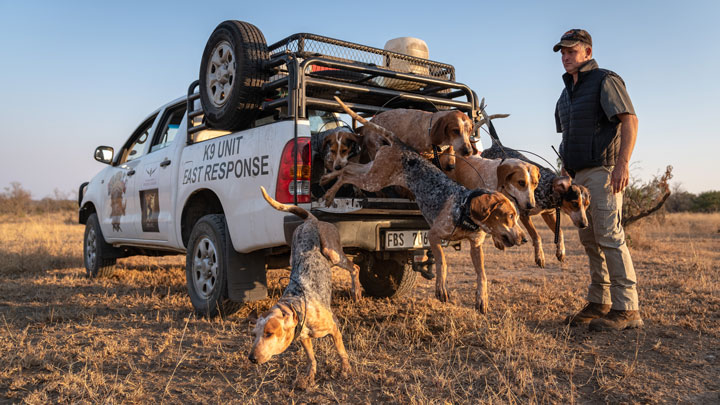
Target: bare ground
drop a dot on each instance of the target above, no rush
(131, 337)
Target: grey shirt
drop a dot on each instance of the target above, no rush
(614, 100)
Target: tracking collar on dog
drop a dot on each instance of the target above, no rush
(300, 325)
(465, 221)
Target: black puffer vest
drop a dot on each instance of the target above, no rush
(589, 139)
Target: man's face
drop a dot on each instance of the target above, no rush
(573, 57)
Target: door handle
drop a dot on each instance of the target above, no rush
(165, 162)
(131, 172)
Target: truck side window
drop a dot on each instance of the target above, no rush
(168, 127)
(137, 145)
(324, 120)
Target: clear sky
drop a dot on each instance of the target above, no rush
(76, 74)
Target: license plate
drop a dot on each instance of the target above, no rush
(406, 239)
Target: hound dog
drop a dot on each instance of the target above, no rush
(340, 146)
(425, 132)
(303, 312)
(553, 192)
(452, 211)
(513, 177)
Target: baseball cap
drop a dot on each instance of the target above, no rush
(572, 38)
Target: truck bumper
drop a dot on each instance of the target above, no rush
(362, 233)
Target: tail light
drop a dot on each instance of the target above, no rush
(285, 191)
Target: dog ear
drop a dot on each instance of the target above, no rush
(585, 193)
(482, 206)
(325, 142)
(355, 147)
(438, 129)
(561, 184)
(504, 171)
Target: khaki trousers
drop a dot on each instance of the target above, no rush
(612, 275)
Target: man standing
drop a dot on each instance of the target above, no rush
(599, 128)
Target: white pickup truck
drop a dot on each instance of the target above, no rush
(187, 181)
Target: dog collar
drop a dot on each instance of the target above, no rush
(465, 221)
(300, 324)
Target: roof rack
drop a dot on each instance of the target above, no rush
(310, 69)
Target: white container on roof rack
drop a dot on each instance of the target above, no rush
(408, 46)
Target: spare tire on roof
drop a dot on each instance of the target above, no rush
(232, 75)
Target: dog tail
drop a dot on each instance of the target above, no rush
(387, 134)
(294, 209)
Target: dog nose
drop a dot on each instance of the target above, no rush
(523, 240)
(530, 206)
(338, 167)
(252, 358)
(583, 224)
(466, 151)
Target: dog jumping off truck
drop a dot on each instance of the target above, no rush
(191, 170)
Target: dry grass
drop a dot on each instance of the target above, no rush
(131, 337)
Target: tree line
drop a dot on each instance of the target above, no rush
(16, 200)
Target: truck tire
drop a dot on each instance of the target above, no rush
(206, 265)
(393, 277)
(232, 75)
(97, 254)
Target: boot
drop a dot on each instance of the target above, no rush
(617, 320)
(592, 310)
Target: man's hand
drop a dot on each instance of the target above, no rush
(620, 177)
(628, 134)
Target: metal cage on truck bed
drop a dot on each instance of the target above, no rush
(307, 70)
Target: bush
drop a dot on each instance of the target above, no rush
(680, 201)
(16, 200)
(644, 199)
(708, 201)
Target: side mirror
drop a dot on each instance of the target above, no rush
(104, 154)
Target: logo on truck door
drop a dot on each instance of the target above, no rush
(116, 192)
(150, 207)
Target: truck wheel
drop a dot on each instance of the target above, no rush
(232, 75)
(206, 265)
(96, 252)
(393, 277)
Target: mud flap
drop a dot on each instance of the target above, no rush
(246, 277)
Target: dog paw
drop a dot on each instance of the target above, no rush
(540, 261)
(560, 254)
(442, 295)
(481, 306)
(346, 370)
(305, 383)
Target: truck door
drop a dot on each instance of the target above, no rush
(156, 173)
(117, 222)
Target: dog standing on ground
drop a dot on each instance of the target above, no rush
(553, 191)
(514, 178)
(452, 211)
(303, 312)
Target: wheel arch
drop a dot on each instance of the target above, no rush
(85, 211)
(198, 204)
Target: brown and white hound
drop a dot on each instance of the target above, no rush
(452, 211)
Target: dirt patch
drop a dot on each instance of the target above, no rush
(131, 337)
